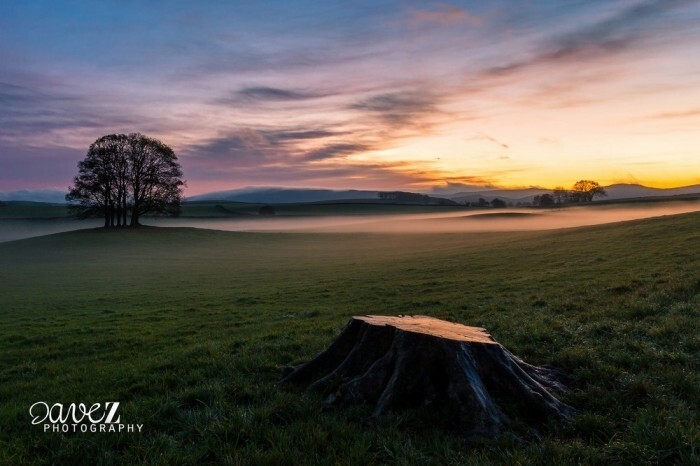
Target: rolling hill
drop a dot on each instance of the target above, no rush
(283, 195)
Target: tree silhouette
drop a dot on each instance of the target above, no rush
(545, 200)
(124, 177)
(560, 195)
(498, 203)
(266, 211)
(586, 190)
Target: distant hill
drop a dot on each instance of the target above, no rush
(51, 196)
(629, 191)
(283, 195)
(507, 195)
(300, 195)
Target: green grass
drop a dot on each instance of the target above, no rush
(189, 329)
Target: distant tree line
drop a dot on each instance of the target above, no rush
(402, 196)
(413, 198)
(266, 210)
(495, 203)
(125, 176)
(582, 191)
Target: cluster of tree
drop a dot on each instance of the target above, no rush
(266, 211)
(496, 203)
(403, 196)
(581, 191)
(125, 176)
(413, 198)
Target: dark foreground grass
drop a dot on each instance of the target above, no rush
(189, 330)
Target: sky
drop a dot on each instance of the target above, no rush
(419, 96)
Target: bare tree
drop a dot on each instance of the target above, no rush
(497, 203)
(155, 178)
(560, 195)
(544, 200)
(586, 190)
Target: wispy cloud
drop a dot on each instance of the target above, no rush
(444, 15)
(244, 147)
(377, 121)
(402, 108)
(275, 94)
(299, 134)
(369, 175)
(468, 183)
(332, 151)
(41, 116)
(266, 146)
(621, 32)
(486, 137)
(692, 113)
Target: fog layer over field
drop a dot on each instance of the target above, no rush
(19, 228)
(441, 222)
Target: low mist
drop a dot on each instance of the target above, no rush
(442, 222)
(12, 229)
(466, 221)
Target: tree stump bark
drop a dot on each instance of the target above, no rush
(402, 362)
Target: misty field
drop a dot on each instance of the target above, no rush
(190, 329)
(19, 220)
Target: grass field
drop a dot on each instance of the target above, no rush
(189, 329)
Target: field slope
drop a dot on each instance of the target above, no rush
(189, 329)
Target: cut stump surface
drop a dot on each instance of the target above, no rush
(403, 362)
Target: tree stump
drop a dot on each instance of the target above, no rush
(403, 362)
